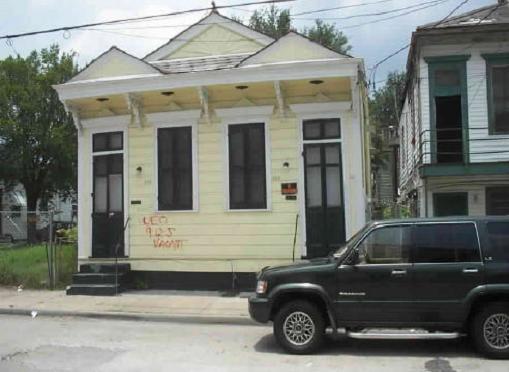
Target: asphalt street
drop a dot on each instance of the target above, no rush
(80, 344)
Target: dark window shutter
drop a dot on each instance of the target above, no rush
(246, 148)
(175, 168)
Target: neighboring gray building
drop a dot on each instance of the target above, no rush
(454, 126)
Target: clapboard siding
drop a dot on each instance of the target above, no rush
(483, 147)
(212, 232)
(482, 144)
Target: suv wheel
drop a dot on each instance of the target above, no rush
(299, 327)
(490, 330)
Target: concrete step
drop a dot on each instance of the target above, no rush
(96, 278)
(93, 289)
(104, 268)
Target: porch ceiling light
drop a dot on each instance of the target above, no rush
(241, 87)
(316, 82)
(168, 93)
(102, 99)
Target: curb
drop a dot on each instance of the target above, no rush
(188, 319)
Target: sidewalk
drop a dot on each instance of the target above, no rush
(140, 305)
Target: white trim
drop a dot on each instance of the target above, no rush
(177, 119)
(172, 116)
(115, 127)
(240, 116)
(200, 27)
(252, 113)
(307, 113)
(323, 110)
(293, 70)
(108, 123)
(81, 201)
(140, 66)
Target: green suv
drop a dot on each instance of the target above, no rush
(414, 278)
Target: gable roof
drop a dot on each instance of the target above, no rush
(213, 18)
(114, 62)
(292, 47)
(492, 14)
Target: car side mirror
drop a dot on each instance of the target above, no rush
(353, 258)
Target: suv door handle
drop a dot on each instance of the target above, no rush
(398, 272)
(470, 270)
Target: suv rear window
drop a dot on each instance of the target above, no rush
(450, 242)
(498, 238)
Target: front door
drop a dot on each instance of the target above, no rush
(108, 206)
(377, 289)
(325, 225)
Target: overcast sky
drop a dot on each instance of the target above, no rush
(372, 41)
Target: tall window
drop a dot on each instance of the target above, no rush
(497, 200)
(175, 168)
(498, 93)
(247, 173)
(448, 109)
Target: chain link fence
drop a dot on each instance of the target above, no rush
(37, 249)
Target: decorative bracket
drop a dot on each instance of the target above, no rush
(204, 101)
(279, 98)
(135, 107)
(75, 116)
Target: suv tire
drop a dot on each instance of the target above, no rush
(490, 330)
(299, 327)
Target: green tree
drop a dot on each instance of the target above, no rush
(271, 21)
(37, 136)
(277, 22)
(384, 110)
(328, 35)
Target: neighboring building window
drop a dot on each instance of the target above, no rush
(450, 204)
(111, 141)
(498, 236)
(448, 109)
(386, 245)
(247, 172)
(497, 68)
(175, 168)
(446, 242)
(497, 201)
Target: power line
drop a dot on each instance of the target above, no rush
(394, 16)
(342, 7)
(376, 13)
(67, 28)
(450, 13)
(375, 66)
(117, 31)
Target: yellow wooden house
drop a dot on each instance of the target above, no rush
(219, 153)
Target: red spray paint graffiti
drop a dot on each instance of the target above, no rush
(159, 229)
